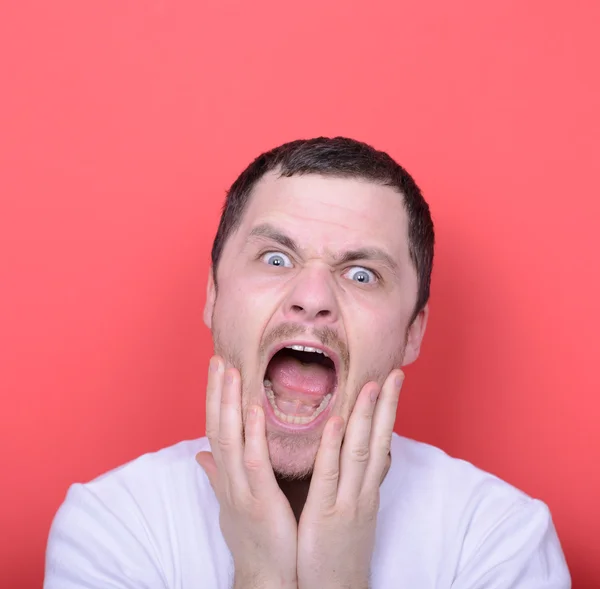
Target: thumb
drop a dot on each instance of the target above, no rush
(208, 464)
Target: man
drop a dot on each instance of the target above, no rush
(317, 297)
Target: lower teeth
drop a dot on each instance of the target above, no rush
(296, 419)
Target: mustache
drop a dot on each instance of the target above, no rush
(327, 336)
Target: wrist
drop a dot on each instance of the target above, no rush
(262, 580)
(354, 583)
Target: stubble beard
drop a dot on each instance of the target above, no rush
(292, 456)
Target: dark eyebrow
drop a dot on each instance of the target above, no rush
(368, 253)
(272, 233)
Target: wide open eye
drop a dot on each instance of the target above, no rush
(277, 259)
(361, 275)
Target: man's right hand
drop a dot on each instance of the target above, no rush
(256, 519)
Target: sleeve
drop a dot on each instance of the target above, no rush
(522, 551)
(90, 546)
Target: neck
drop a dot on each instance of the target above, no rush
(296, 492)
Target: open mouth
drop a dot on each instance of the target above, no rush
(300, 382)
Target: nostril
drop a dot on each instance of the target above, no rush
(300, 310)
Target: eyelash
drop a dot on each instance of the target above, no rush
(378, 278)
(263, 253)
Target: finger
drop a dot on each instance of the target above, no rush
(207, 462)
(388, 464)
(324, 483)
(230, 438)
(261, 478)
(356, 447)
(383, 429)
(214, 390)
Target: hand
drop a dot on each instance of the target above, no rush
(336, 532)
(256, 519)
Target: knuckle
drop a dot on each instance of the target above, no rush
(349, 510)
(225, 442)
(360, 453)
(367, 414)
(370, 506)
(385, 442)
(253, 464)
(330, 475)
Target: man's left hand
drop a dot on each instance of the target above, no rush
(336, 531)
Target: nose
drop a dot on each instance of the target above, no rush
(312, 298)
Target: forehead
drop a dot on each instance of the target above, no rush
(323, 212)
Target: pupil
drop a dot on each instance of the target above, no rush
(361, 277)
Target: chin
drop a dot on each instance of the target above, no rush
(292, 457)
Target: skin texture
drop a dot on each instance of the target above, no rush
(257, 467)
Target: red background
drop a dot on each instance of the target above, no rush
(122, 123)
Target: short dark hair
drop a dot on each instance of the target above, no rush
(343, 158)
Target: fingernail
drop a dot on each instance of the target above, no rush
(213, 365)
(338, 425)
(399, 380)
(374, 394)
(229, 378)
(253, 413)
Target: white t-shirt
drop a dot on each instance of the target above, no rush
(154, 524)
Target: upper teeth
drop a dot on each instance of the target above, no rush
(307, 349)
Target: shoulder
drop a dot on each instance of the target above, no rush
(144, 485)
(421, 468)
(153, 472)
(477, 521)
(126, 518)
(452, 489)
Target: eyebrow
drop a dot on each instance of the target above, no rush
(368, 253)
(268, 231)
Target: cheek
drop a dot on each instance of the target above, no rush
(380, 340)
(241, 314)
(227, 327)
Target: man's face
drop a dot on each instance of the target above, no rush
(323, 263)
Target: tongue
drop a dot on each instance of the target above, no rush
(295, 381)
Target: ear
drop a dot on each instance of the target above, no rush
(415, 336)
(211, 294)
